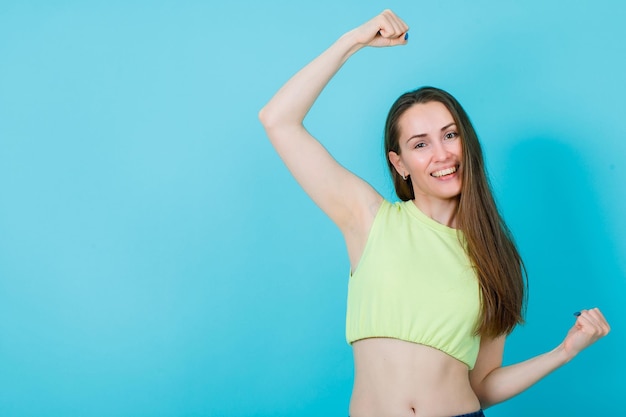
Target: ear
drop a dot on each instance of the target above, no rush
(396, 161)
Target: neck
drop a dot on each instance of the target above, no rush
(441, 211)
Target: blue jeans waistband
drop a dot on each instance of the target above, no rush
(478, 413)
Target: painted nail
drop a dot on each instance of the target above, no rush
(577, 313)
(406, 36)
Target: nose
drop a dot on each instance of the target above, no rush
(440, 152)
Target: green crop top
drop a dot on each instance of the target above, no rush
(414, 282)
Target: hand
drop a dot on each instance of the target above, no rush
(589, 327)
(386, 29)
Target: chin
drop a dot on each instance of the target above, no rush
(452, 194)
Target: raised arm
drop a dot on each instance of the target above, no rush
(493, 383)
(344, 197)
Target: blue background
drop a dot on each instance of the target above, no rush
(156, 258)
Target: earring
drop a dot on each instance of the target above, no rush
(404, 177)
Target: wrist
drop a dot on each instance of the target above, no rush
(350, 42)
(563, 354)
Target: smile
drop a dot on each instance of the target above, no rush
(444, 172)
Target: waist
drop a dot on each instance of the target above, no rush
(398, 378)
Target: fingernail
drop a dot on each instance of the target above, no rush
(406, 36)
(577, 313)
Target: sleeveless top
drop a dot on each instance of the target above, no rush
(415, 283)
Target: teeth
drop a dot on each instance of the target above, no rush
(443, 172)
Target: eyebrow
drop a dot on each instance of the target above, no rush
(423, 135)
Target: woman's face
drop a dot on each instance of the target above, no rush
(430, 151)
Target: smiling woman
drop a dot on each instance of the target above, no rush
(437, 283)
(431, 159)
(429, 135)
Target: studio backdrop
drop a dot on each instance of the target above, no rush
(156, 257)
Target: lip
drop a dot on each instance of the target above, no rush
(446, 176)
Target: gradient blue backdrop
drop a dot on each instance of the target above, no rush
(156, 258)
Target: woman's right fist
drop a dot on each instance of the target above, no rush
(386, 29)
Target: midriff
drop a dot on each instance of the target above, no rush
(394, 378)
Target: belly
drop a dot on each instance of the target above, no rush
(403, 379)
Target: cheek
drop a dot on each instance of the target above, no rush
(418, 162)
(458, 149)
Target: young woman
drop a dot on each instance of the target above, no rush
(437, 282)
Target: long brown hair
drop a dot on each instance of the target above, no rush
(488, 241)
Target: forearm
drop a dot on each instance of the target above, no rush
(292, 102)
(493, 383)
(508, 381)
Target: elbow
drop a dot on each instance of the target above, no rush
(486, 395)
(274, 122)
(482, 398)
(485, 402)
(264, 116)
(489, 396)
(268, 118)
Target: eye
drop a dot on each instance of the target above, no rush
(419, 145)
(451, 135)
